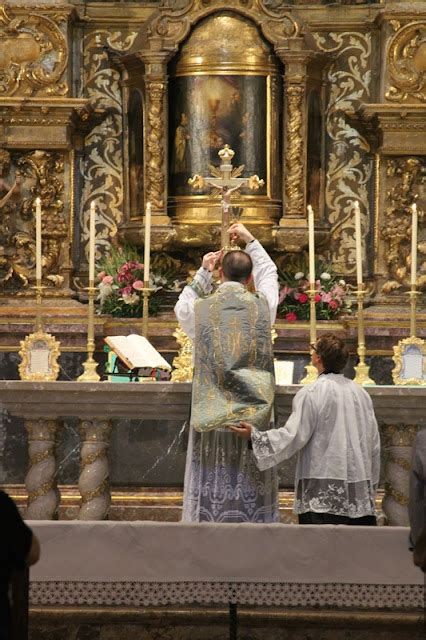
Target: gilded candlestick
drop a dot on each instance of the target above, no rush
(146, 292)
(89, 374)
(413, 293)
(311, 370)
(361, 369)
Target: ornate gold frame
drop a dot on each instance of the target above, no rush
(399, 350)
(27, 346)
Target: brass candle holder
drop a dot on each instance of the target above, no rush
(89, 374)
(146, 292)
(413, 293)
(361, 369)
(311, 370)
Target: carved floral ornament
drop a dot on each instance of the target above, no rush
(33, 54)
(406, 59)
(175, 19)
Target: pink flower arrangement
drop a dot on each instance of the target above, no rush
(330, 296)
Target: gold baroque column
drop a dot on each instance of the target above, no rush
(294, 154)
(40, 482)
(93, 482)
(398, 441)
(155, 136)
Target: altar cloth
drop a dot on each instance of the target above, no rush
(153, 563)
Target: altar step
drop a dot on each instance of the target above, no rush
(148, 503)
(210, 623)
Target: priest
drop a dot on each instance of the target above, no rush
(233, 381)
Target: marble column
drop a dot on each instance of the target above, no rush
(40, 481)
(93, 482)
(398, 440)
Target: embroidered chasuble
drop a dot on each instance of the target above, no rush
(233, 365)
(233, 381)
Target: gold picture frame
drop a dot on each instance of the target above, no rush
(410, 362)
(39, 352)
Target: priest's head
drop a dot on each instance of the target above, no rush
(329, 354)
(236, 266)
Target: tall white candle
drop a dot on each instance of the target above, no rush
(358, 243)
(414, 226)
(92, 234)
(147, 241)
(38, 240)
(311, 235)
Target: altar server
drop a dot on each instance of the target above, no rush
(334, 429)
(233, 380)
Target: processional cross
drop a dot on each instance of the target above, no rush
(226, 180)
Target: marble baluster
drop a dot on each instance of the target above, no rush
(93, 482)
(397, 441)
(40, 481)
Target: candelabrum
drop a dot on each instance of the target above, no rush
(89, 374)
(146, 292)
(311, 370)
(413, 293)
(361, 369)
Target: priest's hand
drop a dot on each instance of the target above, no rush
(210, 260)
(238, 231)
(243, 430)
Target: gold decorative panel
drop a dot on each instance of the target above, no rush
(404, 179)
(406, 62)
(349, 164)
(33, 52)
(23, 177)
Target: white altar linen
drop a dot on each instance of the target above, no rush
(153, 563)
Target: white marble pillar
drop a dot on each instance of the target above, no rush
(40, 482)
(93, 482)
(397, 443)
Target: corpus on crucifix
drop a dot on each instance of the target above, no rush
(226, 180)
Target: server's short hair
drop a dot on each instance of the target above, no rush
(237, 266)
(333, 352)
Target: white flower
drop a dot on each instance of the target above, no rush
(342, 283)
(131, 299)
(299, 275)
(325, 276)
(105, 290)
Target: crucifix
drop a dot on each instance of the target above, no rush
(226, 180)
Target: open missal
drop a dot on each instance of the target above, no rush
(136, 352)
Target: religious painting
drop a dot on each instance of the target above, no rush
(135, 123)
(209, 111)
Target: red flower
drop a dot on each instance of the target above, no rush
(291, 317)
(317, 297)
(303, 298)
(333, 304)
(126, 291)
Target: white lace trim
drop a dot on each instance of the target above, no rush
(351, 499)
(136, 594)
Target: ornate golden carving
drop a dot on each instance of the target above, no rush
(399, 497)
(155, 146)
(33, 53)
(38, 173)
(404, 176)
(294, 159)
(399, 435)
(40, 481)
(183, 364)
(349, 167)
(406, 59)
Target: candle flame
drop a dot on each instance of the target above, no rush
(414, 207)
(38, 201)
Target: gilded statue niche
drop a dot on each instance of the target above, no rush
(222, 93)
(33, 52)
(23, 178)
(405, 181)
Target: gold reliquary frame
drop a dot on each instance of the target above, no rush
(410, 362)
(39, 352)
